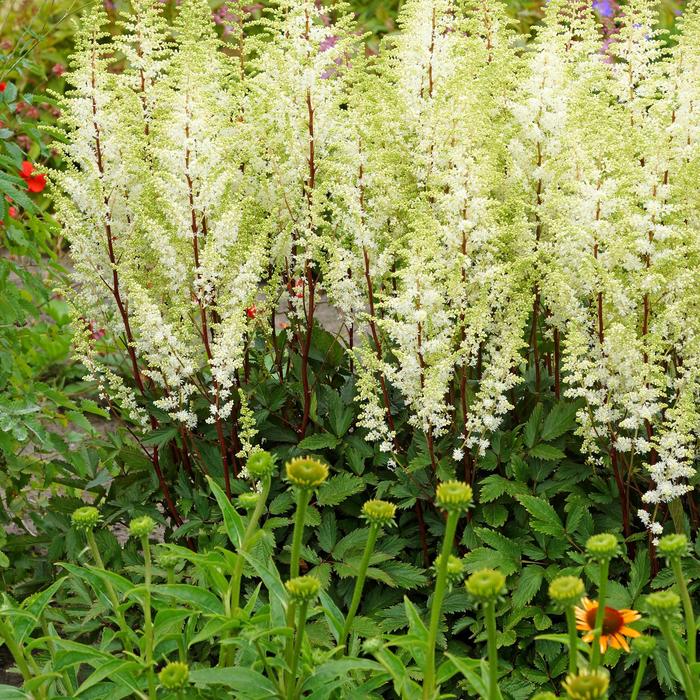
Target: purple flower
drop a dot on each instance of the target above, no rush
(605, 8)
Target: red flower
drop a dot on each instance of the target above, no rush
(3, 85)
(251, 311)
(12, 211)
(35, 183)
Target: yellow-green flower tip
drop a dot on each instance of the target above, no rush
(455, 568)
(486, 585)
(379, 512)
(306, 472)
(587, 685)
(546, 695)
(303, 588)
(260, 465)
(372, 645)
(644, 645)
(673, 546)
(566, 590)
(85, 518)
(602, 547)
(167, 559)
(174, 675)
(662, 603)
(249, 500)
(141, 527)
(454, 496)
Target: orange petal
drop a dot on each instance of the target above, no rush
(623, 642)
(630, 615)
(584, 627)
(603, 643)
(615, 642)
(588, 637)
(630, 632)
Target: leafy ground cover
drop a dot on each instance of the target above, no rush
(414, 500)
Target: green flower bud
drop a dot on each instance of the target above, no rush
(455, 568)
(673, 546)
(644, 645)
(306, 472)
(486, 585)
(167, 559)
(379, 512)
(663, 603)
(545, 695)
(566, 590)
(260, 465)
(85, 518)
(587, 685)
(249, 500)
(602, 547)
(141, 527)
(303, 588)
(454, 496)
(174, 675)
(372, 645)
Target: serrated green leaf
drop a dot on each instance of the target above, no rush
(561, 419)
(528, 585)
(319, 441)
(338, 488)
(546, 452)
(544, 517)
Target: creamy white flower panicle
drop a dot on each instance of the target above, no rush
(438, 195)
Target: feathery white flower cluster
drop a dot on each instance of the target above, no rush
(433, 193)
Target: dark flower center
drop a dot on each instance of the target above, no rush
(612, 620)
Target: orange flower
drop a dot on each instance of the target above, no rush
(614, 625)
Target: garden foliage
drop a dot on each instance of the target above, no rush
(507, 236)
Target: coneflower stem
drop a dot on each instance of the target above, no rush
(436, 604)
(111, 594)
(639, 677)
(690, 626)
(148, 622)
(492, 648)
(573, 639)
(678, 658)
(302, 502)
(359, 583)
(298, 638)
(600, 614)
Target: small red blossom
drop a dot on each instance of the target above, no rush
(58, 69)
(35, 183)
(3, 86)
(12, 211)
(251, 311)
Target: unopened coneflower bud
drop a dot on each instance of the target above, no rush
(603, 547)
(663, 603)
(455, 568)
(644, 645)
(260, 465)
(454, 496)
(141, 527)
(587, 685)
(303, 588)
(306, 472)
(673, 546)
(379, 512)
(174, 676)
(486, 585)
(566, 590)
(85, 518)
